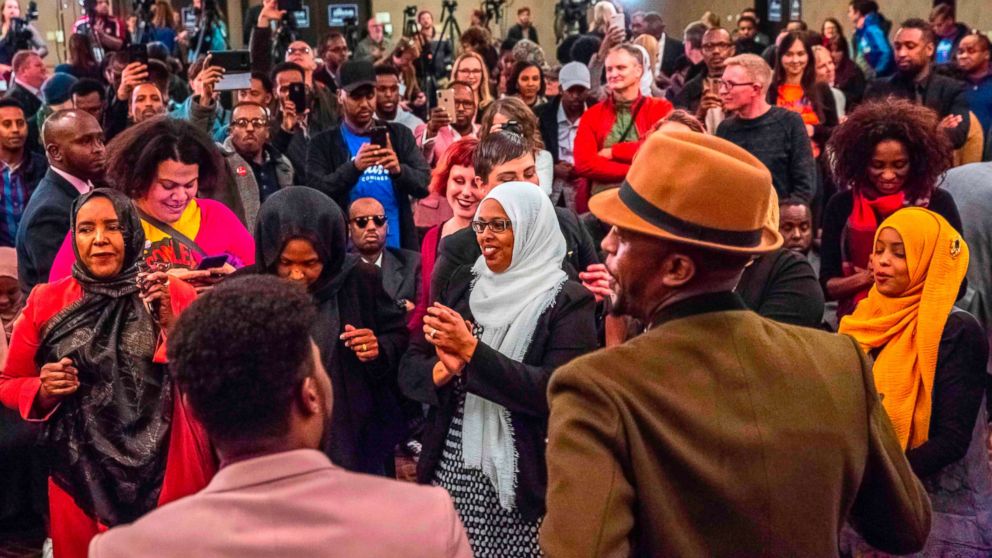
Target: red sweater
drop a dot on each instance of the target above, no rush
(596, 124)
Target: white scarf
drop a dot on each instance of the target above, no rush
(508, 305)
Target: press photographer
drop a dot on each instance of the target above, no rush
(211, 31)
(106, 32)
(17, 33)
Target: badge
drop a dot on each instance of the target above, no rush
(955, 246)
(241, 170)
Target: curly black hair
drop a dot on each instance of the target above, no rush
(134, 155)
(240, 352)
(513, 88)
(852, 145)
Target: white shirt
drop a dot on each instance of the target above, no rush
(34, 90)
(566, 136)
(83, 186)
(407, 119)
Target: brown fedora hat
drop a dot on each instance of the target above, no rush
(697, 189)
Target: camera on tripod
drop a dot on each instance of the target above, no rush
(142, 6)
(573, 11)
(19, 35)
(451, 5)
(410, 11)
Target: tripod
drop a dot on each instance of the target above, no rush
(449, 29)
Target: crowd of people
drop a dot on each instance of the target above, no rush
(717, 294)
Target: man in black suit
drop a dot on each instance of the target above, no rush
(343, 163)
(670, 49)
(507, 157)
(916, 81)
(29, 73)
(367, 226)
(76, 157)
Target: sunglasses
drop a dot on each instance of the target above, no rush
(244, 122)
(363, 222)
(496, 225)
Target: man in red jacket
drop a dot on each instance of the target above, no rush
(610, 132)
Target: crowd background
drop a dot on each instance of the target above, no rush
(415, 185)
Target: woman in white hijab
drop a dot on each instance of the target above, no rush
(485, 368)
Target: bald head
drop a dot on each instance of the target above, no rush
(367, 235)
(74, 143)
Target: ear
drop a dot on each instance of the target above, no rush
(931, 47)
(479, 183)
(54, 152)
(309, 396)
(677, 270)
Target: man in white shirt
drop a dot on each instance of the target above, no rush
(559, 122)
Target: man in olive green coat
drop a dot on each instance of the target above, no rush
(716, 432)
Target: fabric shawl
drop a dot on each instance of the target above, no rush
(908, 328)
(508, 305)
(8, 268)
(301, 212)
(109, 439)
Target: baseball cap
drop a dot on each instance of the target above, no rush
(573, 74)
(356, 73)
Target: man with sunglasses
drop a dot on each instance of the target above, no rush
(699, 95)
(776, 136)
(367, 226)
(256, 169)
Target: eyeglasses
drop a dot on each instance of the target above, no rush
(496, 225)
(298, 50)
(716, 46)
(244, 122)
(363, 221)
(722, 84)
(470, 71)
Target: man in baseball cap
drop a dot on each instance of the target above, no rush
(559, 120)
(716, 432)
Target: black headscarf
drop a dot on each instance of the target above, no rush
(301, 212)
(109, 438)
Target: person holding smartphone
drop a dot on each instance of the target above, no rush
(451, 120)
(363, 157)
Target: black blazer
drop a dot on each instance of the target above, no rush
(692, 92)
(330, 169)
(401, 274)
(547, 120)
(43, 228)
(461, 249)
(674, 49)
(945, 95)
(565, 331)
(782, 286)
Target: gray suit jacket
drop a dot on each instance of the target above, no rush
(401, 274)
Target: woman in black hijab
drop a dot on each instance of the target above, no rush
(361, 333)
(88, 359)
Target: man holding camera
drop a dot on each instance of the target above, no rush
(364, 158)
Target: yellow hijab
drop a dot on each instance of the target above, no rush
(908, 328)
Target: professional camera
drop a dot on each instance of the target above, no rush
(410, 11)
(142, 6)
(450, 5)
(570, 18)
(20, 35)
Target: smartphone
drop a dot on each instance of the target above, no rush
(298, 94)
(446, 100)
(379, 135)
(211, 262)
(291, 5)
(137, 53)
(616, 20)
(233, 61)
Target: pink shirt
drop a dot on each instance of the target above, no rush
(220, 233)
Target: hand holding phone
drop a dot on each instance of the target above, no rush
(298, 95)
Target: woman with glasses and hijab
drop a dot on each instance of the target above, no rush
(484, 366)
(87, 360)
(360, 331)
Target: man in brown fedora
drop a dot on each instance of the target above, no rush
(716, 432)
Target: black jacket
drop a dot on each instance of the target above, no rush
(43, 228)
(692, 93)
(565, 331)
(461, 249)
(782, 286)
(674, 49)
(943, 94)
(331, 169)
(547, 120)
(516, 33)
(401, 274)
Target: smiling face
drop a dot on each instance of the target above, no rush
(825, 70)
(470, 71)
(497, 247)
(10, 295)
(100, 238)
(462, 193)
(529, 84)
(888, 264)
(175, 185)
(737, 89)
(300, 263)
(794, 60)
(623, 71)
(889, 167)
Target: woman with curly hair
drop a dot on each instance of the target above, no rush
(526, 82)
(887, 155)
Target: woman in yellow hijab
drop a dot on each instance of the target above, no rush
(930, 372)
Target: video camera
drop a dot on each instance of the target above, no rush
(19, 35)
(410, 11)
(572, 11)
(451, 5)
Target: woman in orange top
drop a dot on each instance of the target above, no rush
(794, 87)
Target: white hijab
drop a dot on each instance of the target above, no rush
(647, 78)
(508, 305)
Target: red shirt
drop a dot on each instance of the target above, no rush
(595, 126)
